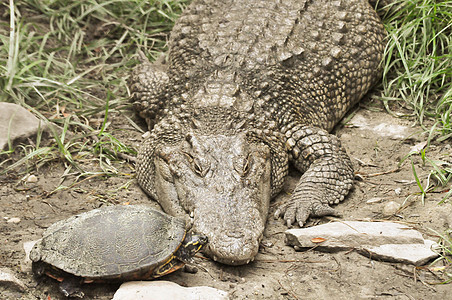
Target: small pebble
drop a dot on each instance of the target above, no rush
(146, 135)
(190, 269)
(374, 200)
(418, 147)
(13, 220)
(398, 191)
(32, 179)
(391, 208)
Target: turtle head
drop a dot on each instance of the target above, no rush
(191, 245)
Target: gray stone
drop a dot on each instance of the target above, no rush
(16, 124)
(383, 125)
(415, 254)
(13, 220)
(374, 200)
(162, 290)
(391, 208)
(380, 240)
(7, 278)
(418, 147)
(349, 234)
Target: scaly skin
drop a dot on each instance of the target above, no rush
(246, 87)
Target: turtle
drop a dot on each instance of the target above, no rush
(113, 243)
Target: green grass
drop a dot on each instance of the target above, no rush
(443, 264)
(68, 62)
(418, 63)
(417, 75)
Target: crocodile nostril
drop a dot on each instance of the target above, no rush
(219, 188)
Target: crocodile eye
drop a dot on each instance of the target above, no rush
(196, 165)
(246, 166)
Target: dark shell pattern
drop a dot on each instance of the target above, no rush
(114, 242)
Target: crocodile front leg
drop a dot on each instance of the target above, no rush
(148, 85)
(327, 178)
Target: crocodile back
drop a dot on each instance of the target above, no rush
(290, 61)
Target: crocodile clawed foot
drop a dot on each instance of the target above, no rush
(299, 211)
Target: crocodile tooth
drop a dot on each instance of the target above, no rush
(248, 261)
(252, 258)
(215, 258)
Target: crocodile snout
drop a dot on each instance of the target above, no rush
(234, 236)
(233, 251)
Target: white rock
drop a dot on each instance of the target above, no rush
(382, 125)
(16, 123)
(13, 220)
(374, 200)
(7, 277)
(418, 147)
(415, 254)
(25, 265)
(380, 240)
(390, 208)
(163, 290)
(32, 178)
(349, 234)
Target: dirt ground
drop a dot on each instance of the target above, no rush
(278, 272)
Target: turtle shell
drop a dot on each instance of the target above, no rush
(115, 242)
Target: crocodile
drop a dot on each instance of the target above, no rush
(245, 88)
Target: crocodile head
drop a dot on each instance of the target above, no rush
(222, 182)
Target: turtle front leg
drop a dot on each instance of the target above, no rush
(327, 178)
(71, 287)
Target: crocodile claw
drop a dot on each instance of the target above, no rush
(299, 211)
